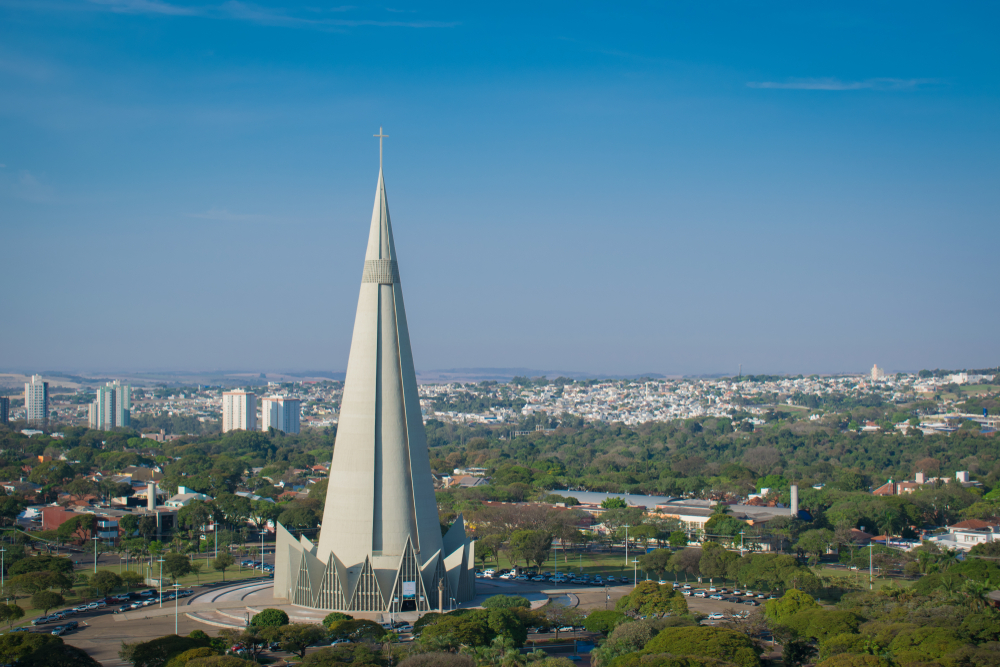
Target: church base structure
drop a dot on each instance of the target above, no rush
(390, 583)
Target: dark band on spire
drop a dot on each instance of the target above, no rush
(381, 271)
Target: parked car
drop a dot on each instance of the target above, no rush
(122, 609)
(21, 629)
(700, 594)
(82, 608)
(406, 628)
(686, 587)
(715, 616)
(752, 603)
(567, 628)
(686, 594)
(42, 620)
(716, 596)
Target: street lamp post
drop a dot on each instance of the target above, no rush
(871, 579)
(2, 566)
(741, 544)
(215, 529)
(635, 581)
(177, 597)
(95, 539)
(159, 582)
(626, 542)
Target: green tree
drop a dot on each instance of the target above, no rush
(712, 642)
(105, 581)
(678, 539)
(297, 637)
(223, 561)
(177, 565)
(506, 602)
(657, 560)
(46, 600)
(613, 503)
(269, 618)
(816, 542)
(531, 545)
(20, 646)
(603, 621)
(9, 613)
(792, 602)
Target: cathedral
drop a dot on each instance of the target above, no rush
(380, 547)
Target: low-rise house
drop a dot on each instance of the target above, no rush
(966, 534)
(185, 496)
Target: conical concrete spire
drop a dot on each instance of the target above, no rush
(381, 492)
(380, 547)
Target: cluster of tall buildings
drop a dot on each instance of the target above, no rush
(239, 412)
(112, 406)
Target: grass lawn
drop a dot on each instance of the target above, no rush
(862, 577)
(75, 598)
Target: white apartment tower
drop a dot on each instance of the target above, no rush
(239, 411)
(281, 413)
(36, 400)
(112, 407)
(878, 374)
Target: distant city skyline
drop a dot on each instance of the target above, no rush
(610, 190)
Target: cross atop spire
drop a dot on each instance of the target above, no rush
(380, 138)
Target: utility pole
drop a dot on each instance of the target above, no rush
(626, 543)
(871, 577)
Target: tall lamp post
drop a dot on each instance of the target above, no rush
(215, 529)
(871, 575)
(741, 544)
(2, 566)
(635, 581)
(626, 542)
(159, 582)
(95, 538)
(176, 607)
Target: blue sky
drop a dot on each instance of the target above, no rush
(664, 187)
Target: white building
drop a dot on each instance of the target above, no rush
(239, 411)
(281, 413)
(112, 407)
(878, 373)
(36, 400)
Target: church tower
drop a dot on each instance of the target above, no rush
(380, 546)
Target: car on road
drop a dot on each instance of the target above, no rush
(567, 628)
(82, 608)
(610, 579)
(21, 629)
(406, 628)
(148, 603)
(716, 616)
(752, 603)
(716, 596)
(122, 609)
(772, 596)
(761, 596)
(686, 594)
(42, 620)
(340, 641)
(686, 587)
(700, 594)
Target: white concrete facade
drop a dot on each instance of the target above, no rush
(112, 406)
(281, 413)
(239, 411)
(36, 400)
(380, 546)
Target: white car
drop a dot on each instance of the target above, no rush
(715, 616)
(686, 587)
(716, 596)
(686, 594)
(700, 594)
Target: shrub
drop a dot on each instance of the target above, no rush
(706, 641)
(603, 621)
(506, 602)
(438, 660)
(270, 618)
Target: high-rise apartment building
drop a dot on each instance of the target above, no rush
(112, 406)
(4, 410)
(239, 411)
(281, 413)
(36, 400)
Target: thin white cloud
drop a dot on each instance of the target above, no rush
(224, 215)
(837, 84)
(252, 13)
(146, 7)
